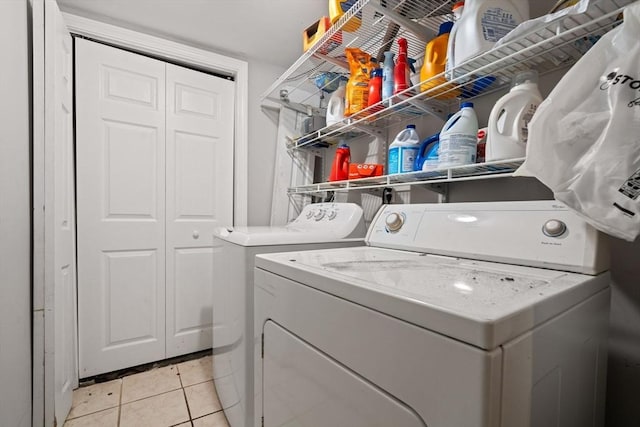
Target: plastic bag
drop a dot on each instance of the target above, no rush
(584, 140)
(357, 91)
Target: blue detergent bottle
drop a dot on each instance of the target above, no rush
(403, 151)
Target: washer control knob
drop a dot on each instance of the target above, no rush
(554, 228)
(394, 222)
(331, 214)
(319, 215)
(310, 214)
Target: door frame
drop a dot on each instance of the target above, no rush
(43, 197)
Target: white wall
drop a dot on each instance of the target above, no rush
(262, 140)
(15, 219)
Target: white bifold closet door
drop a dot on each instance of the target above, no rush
(199, 185)
(154, 177)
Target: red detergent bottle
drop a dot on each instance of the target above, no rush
(340, 166)
(375, 90)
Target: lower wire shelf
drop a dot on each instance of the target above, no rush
(477, 171)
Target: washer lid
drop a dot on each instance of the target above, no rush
(482, 303)
(269, 236)
(317, 223)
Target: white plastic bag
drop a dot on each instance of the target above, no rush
(584, 140)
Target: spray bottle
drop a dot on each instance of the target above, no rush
(401, 71)
(387, 77)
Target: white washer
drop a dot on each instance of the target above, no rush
(320, 225)
(465, 315)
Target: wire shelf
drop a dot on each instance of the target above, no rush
(497, 169)
(546, 48)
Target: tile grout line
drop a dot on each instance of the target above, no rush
(120, 401)
(184, 394)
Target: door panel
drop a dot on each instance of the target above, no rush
(131, 172)
(59, 132)
(199, 198)
(194, 157)
(194, 274)
(130, 287)
(121, 204)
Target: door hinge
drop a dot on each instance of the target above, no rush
(262, 346)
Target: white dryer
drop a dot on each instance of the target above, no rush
(320, 225)
(453, 315)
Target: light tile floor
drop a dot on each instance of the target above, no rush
(181, 395)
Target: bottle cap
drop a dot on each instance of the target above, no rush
(445, 27)
(530, 76)
(411, 126)
(457, 5)
(466, 105)
(376, 72)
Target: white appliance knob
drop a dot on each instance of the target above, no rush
(319, 215)
(310, 214)
(394, 221)
(196, 234)
(554, 228)
(331, 214)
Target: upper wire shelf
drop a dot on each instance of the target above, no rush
(548, 47)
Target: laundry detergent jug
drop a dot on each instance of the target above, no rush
(481, 24)
(507, 131)
(340, 166)
(435, 58)
(427, 158)
(459, 138)
(335, 107)
(403, 151)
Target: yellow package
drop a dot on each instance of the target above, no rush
(357, 90)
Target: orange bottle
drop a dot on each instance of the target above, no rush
(435, 60)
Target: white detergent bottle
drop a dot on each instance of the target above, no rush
(335, 107)
(507, 130)
(459, 138)
(456, 10)
(481, 25)
(403, 151)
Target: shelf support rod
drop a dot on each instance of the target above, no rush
(334, 61)
(369, 130)
(422, 33)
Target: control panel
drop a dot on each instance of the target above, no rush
(332, 218)
(534, 233)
